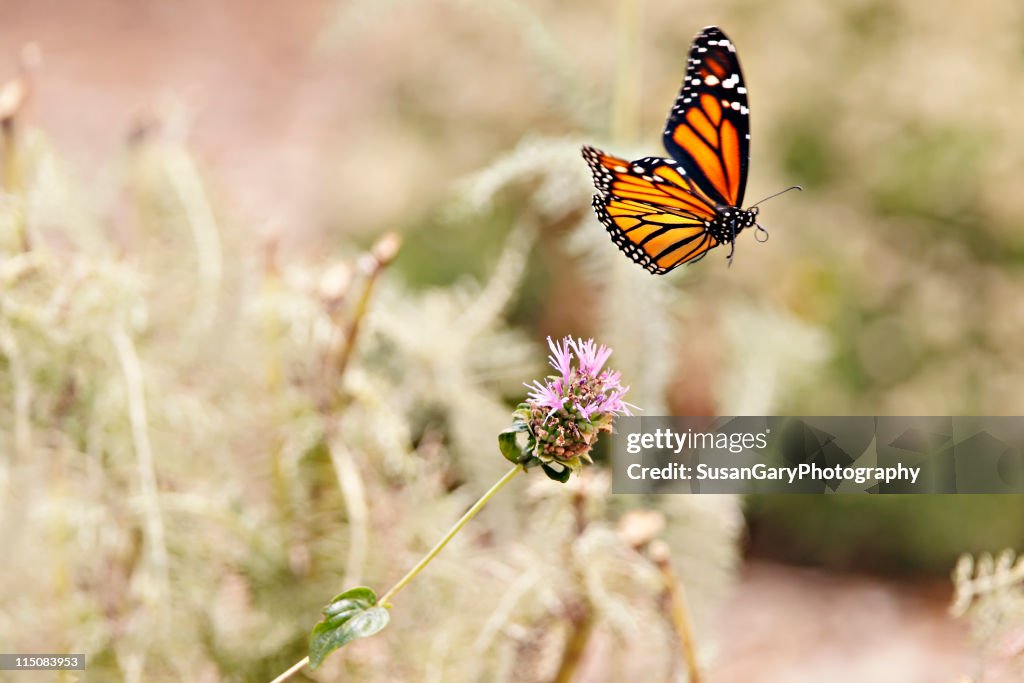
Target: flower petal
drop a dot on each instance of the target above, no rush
(561, 357)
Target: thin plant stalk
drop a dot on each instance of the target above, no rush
(131, 368)
(273, 376)
(11, 179)
(501, 615)
(350, 481)
(497, 293)
(11, 175)
(582, 628)
(470, 514)
(292, 670)
(188, 186)
(679, 610)
(13, 96)
(22, 399)
(624, 108)
(382, 253)
(581, 615)
(438, 547)
(272, 371)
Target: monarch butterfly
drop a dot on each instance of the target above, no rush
(666, 212)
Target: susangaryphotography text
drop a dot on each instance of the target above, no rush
(818, 455)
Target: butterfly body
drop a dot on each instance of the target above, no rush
(666, 212)
(729, 222)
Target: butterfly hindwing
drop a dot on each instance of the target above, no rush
(653, 212)
(708, 128)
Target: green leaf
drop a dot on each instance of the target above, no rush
(350, 615)
(558, 475)
(508, 443)
(528, 460)
(522, 415)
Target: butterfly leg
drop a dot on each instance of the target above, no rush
(732, 244)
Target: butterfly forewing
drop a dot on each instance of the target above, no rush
(708, 129)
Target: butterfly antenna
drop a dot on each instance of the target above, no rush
(760, 229)
(772, 196)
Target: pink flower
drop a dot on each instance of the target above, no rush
(565, 412)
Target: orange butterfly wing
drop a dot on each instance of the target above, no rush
(708, 128)
(653, 211)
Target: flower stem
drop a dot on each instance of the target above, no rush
(470, 514)
(405, 580)
(294, 669)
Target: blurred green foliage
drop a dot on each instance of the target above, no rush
(904, 535)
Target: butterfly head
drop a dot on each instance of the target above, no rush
(730, 221)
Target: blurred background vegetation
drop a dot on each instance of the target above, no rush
(191, 463)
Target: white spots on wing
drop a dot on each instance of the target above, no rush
(711, 80)
(735, 105)
(726, 104)
(695, 81)
(741, 90)
(747, 136)
(638, 169)
(702, 49)
(743, 110)
(621, 169)
(731, 81)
